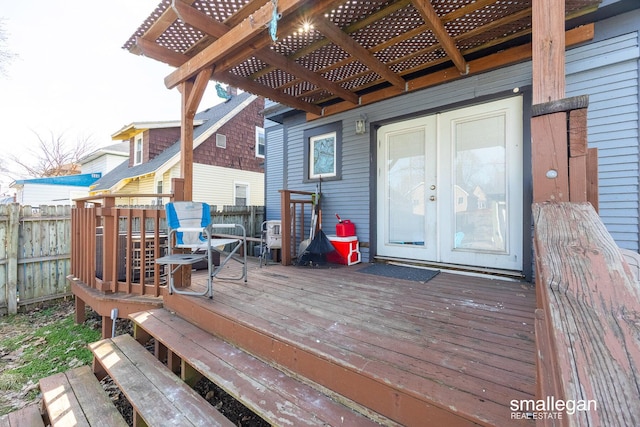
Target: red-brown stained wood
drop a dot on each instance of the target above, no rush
(453, 351)
(578, 181)
(593, 195)
(592, 306)
(263, 389)
(550, 154)
(158, 397)
(548, 42)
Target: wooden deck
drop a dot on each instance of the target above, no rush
(453, 351)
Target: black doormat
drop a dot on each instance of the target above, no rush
(400, 272)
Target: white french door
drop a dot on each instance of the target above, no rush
(450, 187)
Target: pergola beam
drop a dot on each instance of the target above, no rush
(162, 54)
(448, 44)
(216, 29)
(239, 35)
(358, 52)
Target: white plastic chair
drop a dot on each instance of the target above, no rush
(190, 227)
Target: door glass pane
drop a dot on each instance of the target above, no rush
(406, 176)
(480, 187)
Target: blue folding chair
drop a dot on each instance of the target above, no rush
(190, 228)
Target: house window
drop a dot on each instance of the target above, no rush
(221, 140)
(241, 194)
(137, 150)
(260, 142)
(323, 152)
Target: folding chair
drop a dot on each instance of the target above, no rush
(190, 227)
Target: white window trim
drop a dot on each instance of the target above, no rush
(260, 132)
(312, 142)
(235, 195)
(138, 139)
(221, 140)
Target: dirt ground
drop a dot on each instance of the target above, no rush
(225, 404)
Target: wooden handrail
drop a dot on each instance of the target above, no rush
(587, 321)
(117, 236)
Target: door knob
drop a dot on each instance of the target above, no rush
(432, 198)
(433, 187)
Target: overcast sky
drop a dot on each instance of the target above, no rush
(70, 75)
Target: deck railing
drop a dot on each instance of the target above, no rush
(114, 247)
(293, 205)
(587, 322)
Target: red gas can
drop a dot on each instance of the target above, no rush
(345, 228)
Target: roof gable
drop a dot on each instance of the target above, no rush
(212, 119)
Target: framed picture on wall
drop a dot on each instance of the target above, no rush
(323, 146)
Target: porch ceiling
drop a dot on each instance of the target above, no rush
(350, 53)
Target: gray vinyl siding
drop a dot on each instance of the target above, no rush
(607, 71)
(273, 167)
(351, 197)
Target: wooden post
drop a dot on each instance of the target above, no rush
(562, 171)
(549, 132)
(548, 45)
(177, 188)
(592, 177)
(549, 158)
(192, 91)
(578, 183)
(285, 229)
(109, 244)
(186, 141)
(12, 255)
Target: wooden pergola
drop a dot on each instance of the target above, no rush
(353, 53)
(328, 56)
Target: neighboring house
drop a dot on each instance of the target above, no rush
(228, 153)
(105, 159)
(469, 136)
(56, 190)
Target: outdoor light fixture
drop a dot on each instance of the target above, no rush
(361, 125)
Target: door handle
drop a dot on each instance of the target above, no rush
(432, 198)
(433, 187)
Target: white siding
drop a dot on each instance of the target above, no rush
(215, 185)
(103, 164)
(46, 194)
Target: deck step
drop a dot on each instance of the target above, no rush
(29, 416)
(274, 396)
(76, 398)
(158, 397)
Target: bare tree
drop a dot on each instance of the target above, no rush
(5, 54)
(54, 157)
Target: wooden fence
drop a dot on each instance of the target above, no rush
(35, 248)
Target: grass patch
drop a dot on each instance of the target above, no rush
(56, 348)
(44, 344)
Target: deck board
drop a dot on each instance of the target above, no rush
(461, 343)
